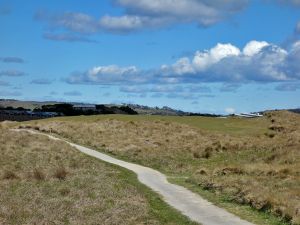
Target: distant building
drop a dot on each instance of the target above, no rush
(250, 115)
(84, 107)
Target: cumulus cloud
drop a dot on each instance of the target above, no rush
(67, 37)
(205, 59)
(11, 73)
(254, 47)
(111, 74)
(42, 81)
(11, 60)
(257, 61)
(163, 12)
(225, 62)
(294, 37)
(77, 22)
(292, 65)
(145, 14)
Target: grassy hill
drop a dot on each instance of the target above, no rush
(25, 104)
(249, 166)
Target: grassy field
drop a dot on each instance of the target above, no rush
(249, 166)
(252, 163)
(47, 182)
(234, 126)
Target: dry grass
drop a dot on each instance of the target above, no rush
(60, 173)
(257, 169)
(48, 182)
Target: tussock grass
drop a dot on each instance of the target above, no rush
(60, 173)
(256, 166)
(38, 174)
(48, 182)
(9, 175)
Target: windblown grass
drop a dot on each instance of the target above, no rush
(48, 182)
(253, 162)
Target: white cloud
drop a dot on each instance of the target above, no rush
(182, 66)
(122, 23)
(254, 47)
(203, 60)
(293, 59)
(150, 14)
(78, 22)
(145, 14)
(112, 70)
(258, 61)
(203, 12)
(106, 75)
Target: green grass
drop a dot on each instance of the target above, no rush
(159, 209)
(244, 211)
(238, 126)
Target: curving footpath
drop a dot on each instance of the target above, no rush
(187, 202)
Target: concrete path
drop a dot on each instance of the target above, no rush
(187, 202)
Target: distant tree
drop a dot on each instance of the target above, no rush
(21, 109)
(64, 108)
(102, 109)
(128, 110)
(204, 114)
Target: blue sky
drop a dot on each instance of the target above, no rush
(194, 55)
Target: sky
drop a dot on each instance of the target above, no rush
(208, 56)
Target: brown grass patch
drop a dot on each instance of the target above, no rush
(9, 175)
(264, 168)
(91, 191)
(60, 173)
(38, 174)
